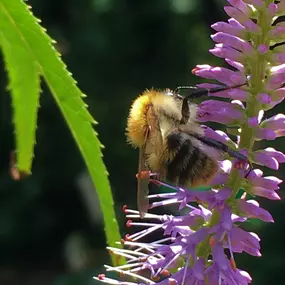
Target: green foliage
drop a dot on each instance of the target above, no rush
(29, 54)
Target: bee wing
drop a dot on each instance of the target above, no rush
(154, 138)
(153, 144)
(143, 181)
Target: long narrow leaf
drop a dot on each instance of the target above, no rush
(17, 17)
(24, 84)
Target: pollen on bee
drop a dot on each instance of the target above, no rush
(145, 174)
(137, 123)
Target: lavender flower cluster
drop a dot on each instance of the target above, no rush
(198, 245)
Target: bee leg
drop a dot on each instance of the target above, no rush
(185, 112)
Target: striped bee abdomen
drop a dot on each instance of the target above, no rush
(188, 166)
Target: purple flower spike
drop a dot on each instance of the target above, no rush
(199, 241)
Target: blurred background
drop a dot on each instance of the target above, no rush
(51, 230)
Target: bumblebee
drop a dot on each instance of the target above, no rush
(171, 142)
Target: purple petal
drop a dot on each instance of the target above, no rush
(238, 94)
(265, 134)
(234, 42)
(242, 240)
(277, 31)
(219, 256)
(273, 104)
(224, 27)
(226, 218)
(278, 155)
(269, 182)
(223, 194)
(252, 210)
(199, 268)
(220, 178)
(280, 133)
(253, 122)
(224, 51)
(272, 10)
(276, 122)
(262, 49)
(218, 135)
(252, 27)
(269, 194)
(218, 111)
(262, 158)
(264, 98)
(278, 58)
(223, 75)
(235, 64)
(275, 81)
(277, 69)
(240, 5)
(236, 14)
(278, 94)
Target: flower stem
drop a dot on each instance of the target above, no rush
(256, 69)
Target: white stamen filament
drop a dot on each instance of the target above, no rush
(185, 269)
(146, 280)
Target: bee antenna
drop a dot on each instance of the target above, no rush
(196, 92)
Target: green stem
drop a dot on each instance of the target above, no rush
(256, 68)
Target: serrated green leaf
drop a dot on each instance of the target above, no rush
(24, 83)
(32, 37)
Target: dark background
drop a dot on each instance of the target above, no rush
(51, 229)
